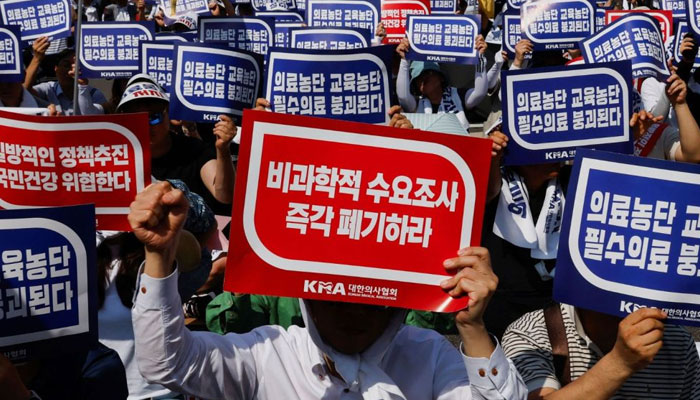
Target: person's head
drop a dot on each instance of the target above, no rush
(349, 328)
(185, 23)
(64, 64)
(216, 7)
(536, 175)
(150, 98)
(122, 3)
(11, 93)
(427, 80)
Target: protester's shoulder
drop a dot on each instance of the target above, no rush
(414, 337)
(44, 87)
(527, 332)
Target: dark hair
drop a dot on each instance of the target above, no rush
(130, 254)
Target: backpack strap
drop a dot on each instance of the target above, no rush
(560, 345)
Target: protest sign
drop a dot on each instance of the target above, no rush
(252, 34)
(58, 161)
(443, 6)
(693, 17)
(176, 37)
(342, 211)
(678, 7)
(282, 16)
(359, 14)
(329, 38)
(212, 80)
(549, 112)
(345, 84)
(111, 50)
(157, 61)
(48, 283)
(635, 37)
(182, 7)
(515, 4)
(600, 18)
(511, 33)
(664, 17)
(38, 18)
(273, 5)
(443, 39)
(557, 24)
(631, 237)
(283, 33)
(11, 67)
(682, 30)
(394, 13)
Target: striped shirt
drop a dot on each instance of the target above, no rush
(674, 373)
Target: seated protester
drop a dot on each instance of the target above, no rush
(60, 92)
(122, 10)
(346, 350)
(206, 170)
(421, 87)
(91, 373)
(14, 97)
(638, 357)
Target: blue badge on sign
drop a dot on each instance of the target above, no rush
(111, 50)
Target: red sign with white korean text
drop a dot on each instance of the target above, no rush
(60, 161)
(665, 18)
(394, 14)
(344, 211)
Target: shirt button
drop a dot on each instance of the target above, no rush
(482, 372)
(494, 372)
(143, 289)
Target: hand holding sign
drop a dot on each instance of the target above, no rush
(676, 90)
(639, 338)
(224, 130)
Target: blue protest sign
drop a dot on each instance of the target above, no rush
(444, 39)
(515, 4)
(677, 6)
(111, 50)
(511, 33)
(273, 5)
(631, 237)
(549, 112)
(38, 18)
(176, 37)
(557, 24)
(283, 33)
(635, 37)
(693, 16)
(681, 31)
(157, 61)
(211, 80)
(599, 18)
(244, 33)
(443, 6)
(329, 38)
(282, 16)
(346, 84)
(11, 68)
(360, 14)
(48, 284)
(183, 7)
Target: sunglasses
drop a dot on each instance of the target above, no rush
(155, 118)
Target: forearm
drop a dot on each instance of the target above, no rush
(689, 134)
(159, 263)
(599, 383)
(403, 88)
(494, 74)
(476, 340)
(225, 175)
(475, 96)
(30, 74)
(495, 182)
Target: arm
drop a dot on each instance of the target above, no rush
(689, 51)
(475, 95)
(199, 363)
(39, 48)
(218, 175)
(494, 74)
(689, 149)
(500, 142)
(403, 80)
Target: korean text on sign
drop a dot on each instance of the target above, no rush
(111, 50)
(10, 54)
(445, 39)
(252, 34)
(38, 18)
(561, 24)
(394, 13)
(157, 61)
(360, 14)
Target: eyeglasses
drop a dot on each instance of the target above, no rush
(155, 118)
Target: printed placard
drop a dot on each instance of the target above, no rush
(176, 37)
(511, 33)
(358, 14)
(682, 30)
(693, 16)
(336, 210)
(212, 80)
(38, 18)
(58, 161)
(635, 37)
(678, 7)
(273, 5)
(557, 24)
(345, 84)
(182, 7)
(515, 4)
(394, 13)
(11, 67)
(244, 33)
(631, 237)
(329, 38)
(48, 283)
(111, 50)
(549, 112)
(664, 17)
(283, 33)
(443, 39)
(443, 6)
(157, 61)
(600, 18)
(282, 16)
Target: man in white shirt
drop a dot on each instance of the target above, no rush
(345, 352)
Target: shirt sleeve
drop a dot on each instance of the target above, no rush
(42, 90)
(201, 364)
(403, 88)
(89, 102)
(654, 97)
(691, 386)
(475, 95)
(495, 377)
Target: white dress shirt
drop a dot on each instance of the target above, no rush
(273, 363)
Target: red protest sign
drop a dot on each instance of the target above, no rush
(343, 211)
(59, 161)
(394, 14)
(665, 18)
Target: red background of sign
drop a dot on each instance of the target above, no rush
(394, 35)
(50, 137)
(247, 272)
(666, 28)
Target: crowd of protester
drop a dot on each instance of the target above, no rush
(170, 268)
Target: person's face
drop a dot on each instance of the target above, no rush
(63, 68)
(159, 122)
(349, 328)
(431, 84)
(10, 92)
(539, 171)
